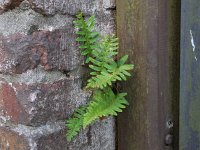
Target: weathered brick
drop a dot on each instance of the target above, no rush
(38, 101)
(55, 50)
(52, 136)
(104, 10)
(8, 4)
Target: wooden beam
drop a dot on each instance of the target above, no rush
(145, 31)
(190, 76)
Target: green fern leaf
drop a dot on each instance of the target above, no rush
(75, 124)
(87, 36)
(114, 72)
(105, 103)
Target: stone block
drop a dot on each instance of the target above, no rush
(52, 136)
(71, 7)
(55, 50)
(36, 97)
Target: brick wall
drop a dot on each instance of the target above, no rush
(41, 74)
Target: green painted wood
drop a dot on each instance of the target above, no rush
(190, 76)
(149, 33)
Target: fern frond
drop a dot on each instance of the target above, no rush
(105, 52)
(107, 49)
(115, 71)
(75, 123)
(105, 103)
(87, 36)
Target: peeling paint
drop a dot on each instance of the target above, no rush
(192, 40)
(193, 44)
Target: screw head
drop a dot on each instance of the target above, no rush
(170, 124)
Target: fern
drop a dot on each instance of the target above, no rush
(75, 124)
(100, 55)
(104, 103)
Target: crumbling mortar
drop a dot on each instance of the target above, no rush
(16, 23)
(37, 75)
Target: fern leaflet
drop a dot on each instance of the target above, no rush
(115, 71)
(88, 37)
(75, 123)
(104, 103)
